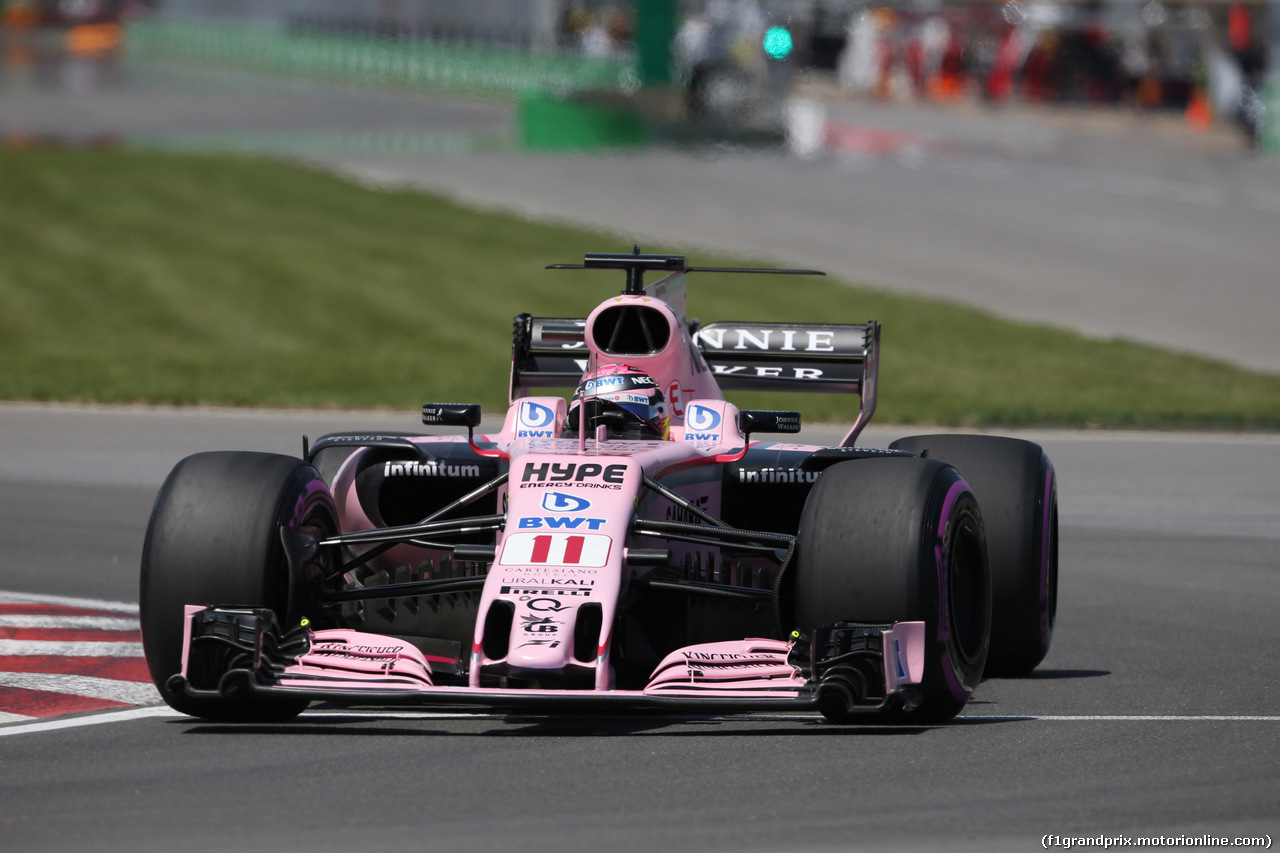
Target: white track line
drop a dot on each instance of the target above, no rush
(1139, 718)
(129, 692)
(85, 650)
(87, 603)
(89, 720)
(98, 623)
(798, 718)
(428, 716)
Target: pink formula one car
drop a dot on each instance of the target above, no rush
(636, 545)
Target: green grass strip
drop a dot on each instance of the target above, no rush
(187, 279)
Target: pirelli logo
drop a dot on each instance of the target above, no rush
(539, 591)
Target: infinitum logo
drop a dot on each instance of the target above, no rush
(777, 475)
(430, 468)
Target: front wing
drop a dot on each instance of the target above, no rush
(229, 651)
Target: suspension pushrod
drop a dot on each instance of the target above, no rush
(743, 593)
(456, 526)
(439, 586)
(682, 501)
(475, 494)
(656, 527)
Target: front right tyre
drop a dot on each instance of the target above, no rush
(215, 538)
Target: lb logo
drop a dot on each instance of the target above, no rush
(561, 502)
(702, 418)
(535, 420)
(535, 415)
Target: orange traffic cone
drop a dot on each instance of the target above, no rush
(1199, 113)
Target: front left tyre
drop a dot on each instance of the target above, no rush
(899, 539)
(215, 538)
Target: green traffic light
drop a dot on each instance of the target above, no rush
(777, 42)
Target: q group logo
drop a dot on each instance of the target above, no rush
(535, 421)
(699, 422)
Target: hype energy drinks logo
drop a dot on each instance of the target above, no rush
(535, 420)
(701, 423)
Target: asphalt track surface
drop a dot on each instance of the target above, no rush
(1156, 712)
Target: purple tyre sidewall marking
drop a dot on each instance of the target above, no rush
(306, 498)
(944, 592)
(1046, 627)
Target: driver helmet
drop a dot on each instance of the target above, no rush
(621, 386)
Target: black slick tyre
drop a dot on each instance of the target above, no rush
(1017, 489)
(898, 540)
(215, 538)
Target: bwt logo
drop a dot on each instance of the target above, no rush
(535, 420)
(702, 418)
(604, 383)
(560, 502)
(553, 522)
(698, 420)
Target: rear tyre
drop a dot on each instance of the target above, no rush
(897, 540)
(1017, 490)
(215, 538)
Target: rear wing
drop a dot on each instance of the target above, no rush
(791, 356)
(805, 357)
(547, 352)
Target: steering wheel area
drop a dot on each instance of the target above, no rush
(619, 422)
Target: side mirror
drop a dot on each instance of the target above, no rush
(759, 420)
(451, 414)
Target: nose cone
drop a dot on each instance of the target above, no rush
(542, 639)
